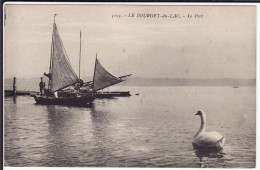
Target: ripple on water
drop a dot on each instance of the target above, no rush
(155, 131)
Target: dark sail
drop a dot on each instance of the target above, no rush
(102, 78)
(62, 75)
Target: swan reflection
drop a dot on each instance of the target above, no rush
(205, 155)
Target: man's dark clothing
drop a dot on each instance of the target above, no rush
(42, 86)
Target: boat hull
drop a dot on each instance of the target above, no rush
(70, 101)
(104, 95)
(113, 94)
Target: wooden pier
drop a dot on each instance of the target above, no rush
(14, 92)
(19, 93)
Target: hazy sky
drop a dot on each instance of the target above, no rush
(220, 44)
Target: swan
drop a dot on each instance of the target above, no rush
(203, 139)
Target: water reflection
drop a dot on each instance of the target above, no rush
(14, 99)
(99, 118)
(205, 154)
(114, 132)
(60, 137)
(100, 124)
(10, 131)
(88, 105)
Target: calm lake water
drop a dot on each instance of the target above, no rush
(153, 129)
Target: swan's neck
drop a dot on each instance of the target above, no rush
(202, 126)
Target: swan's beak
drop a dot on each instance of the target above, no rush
(197, 113)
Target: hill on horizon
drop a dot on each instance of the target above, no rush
(33, 83)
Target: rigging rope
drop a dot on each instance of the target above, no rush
(124, 84)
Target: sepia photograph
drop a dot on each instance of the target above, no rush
(129, 85)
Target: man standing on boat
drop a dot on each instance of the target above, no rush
(42, 86)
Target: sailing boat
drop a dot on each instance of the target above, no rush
(61, 75)
(103, 79)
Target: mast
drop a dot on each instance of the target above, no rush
(94, 71)
(52, 51)
(79, 55)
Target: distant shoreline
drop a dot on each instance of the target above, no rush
(33, 83)
(192, 82)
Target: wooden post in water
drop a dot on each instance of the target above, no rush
(14, 86)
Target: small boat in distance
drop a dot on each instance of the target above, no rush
(235, 87)
(60, 76)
